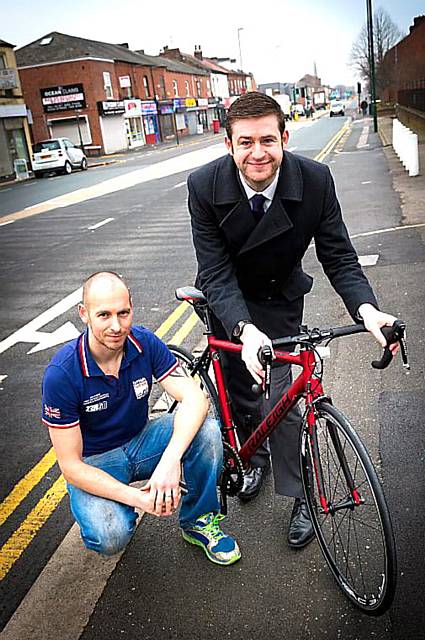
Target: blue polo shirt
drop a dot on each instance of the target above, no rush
(109, 411)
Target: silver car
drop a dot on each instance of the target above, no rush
(57, 154)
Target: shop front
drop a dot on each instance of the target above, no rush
(167, 119)
(112, 125)
(192, 116)
(134, 123)
(150, 121)
(14, 139)
(63, 106)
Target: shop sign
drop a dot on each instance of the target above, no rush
(124, 82)
(133, 108)
(111, 107)
(63, 98)
(179, 103)
(190, 102)
(149, 106)
(166, 107)
(203, 103)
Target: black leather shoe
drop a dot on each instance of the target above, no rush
(301, 530)
(253, 480)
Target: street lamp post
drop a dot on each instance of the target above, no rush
(371, 62)
(240, 50)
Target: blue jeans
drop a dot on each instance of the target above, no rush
(107, 526)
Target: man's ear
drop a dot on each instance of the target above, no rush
(83, 313)
(229, 145)
(285, 138)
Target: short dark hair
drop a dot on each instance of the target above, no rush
(254, 105)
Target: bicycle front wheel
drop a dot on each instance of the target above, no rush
(348, 510)
(187, 366)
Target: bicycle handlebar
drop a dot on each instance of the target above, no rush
(393, 334)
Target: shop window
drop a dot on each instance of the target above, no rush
(187, 88)
(175, 89)
(107, 85)
(146, 86)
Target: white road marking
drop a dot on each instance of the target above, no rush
(180, 184)
(367, 182)
(369, 260)
(2, 378)
(363, 138)
(2, 224)
(100, 224)
(30, 333)
(292, 148)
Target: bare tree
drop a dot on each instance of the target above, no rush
(385, 35)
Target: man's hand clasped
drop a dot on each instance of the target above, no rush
(374, 320)
(253, 340)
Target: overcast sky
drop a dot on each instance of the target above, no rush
(280, 40)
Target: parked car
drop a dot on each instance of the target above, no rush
(57, 154)
(337, 109)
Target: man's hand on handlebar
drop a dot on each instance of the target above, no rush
(374, 320)
(253, 340)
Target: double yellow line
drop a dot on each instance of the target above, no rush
(332, 142)
(20, 539)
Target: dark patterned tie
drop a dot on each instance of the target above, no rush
(257, 205)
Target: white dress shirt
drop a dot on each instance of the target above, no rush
(268, 192)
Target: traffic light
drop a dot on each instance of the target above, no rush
(359, 88)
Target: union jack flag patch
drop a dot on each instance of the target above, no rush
(52, 412)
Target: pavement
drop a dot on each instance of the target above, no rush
(164, 590)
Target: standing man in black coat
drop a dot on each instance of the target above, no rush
(254, 213)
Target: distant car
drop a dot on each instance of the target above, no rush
(57, 154)
(337, 109)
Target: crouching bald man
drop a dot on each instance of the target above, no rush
(95, 404)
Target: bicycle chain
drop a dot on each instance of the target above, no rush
(232, 467)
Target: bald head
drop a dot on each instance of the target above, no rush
(101, 283)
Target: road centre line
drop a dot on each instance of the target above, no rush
(180, 184)
(100, 224)
(26, 485)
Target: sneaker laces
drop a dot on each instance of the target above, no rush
(213, 527)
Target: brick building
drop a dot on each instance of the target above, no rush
(107, 97)
(15, 140)
(402, 72)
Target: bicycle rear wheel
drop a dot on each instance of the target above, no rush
(163, 403)
(356, 540)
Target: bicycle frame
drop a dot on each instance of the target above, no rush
(305, 385)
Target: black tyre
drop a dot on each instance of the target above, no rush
(38, 174)
(84, 165)
(67, 168)
(357, 541)
(163, 403)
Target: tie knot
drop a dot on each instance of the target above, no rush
(257, 204)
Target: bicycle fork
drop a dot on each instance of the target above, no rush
(354, 499)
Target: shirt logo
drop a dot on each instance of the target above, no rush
(141, 388)
(52, 412)
(99, 406)
(96, 398)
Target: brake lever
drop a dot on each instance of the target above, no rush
(393, 334)
(265, 356)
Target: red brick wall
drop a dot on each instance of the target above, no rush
(405, 62)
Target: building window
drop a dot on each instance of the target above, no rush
(2, 61)
(198, 88)
(107, 85)
(146, 86)
(175, 89)
(187, 88)
(162, 87)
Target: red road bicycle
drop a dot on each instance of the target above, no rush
(347, 505)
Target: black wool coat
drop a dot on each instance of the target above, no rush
(252, 271)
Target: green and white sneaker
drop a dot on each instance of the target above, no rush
(206, 533)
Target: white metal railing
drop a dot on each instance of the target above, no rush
(405, 144)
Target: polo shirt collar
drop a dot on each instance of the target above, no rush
(89, 366)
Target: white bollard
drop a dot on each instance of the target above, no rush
(405, 144)
(413, 165)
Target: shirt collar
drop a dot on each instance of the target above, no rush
(268, 192)
(89, 366)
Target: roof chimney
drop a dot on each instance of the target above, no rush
(198, 52)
